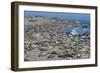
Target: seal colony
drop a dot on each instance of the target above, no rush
(55, 39)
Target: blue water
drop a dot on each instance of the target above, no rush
(84, 18)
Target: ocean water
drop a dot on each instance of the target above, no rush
(84, 18)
